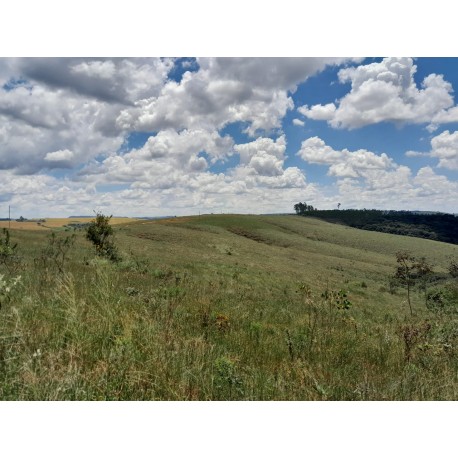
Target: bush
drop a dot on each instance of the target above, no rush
(55, 254)
(8, 253)
(443, 300)
(453, 268)
(101, 234)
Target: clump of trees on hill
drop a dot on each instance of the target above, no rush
(435, 226)
(302, 208)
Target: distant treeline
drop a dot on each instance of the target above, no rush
(435, 226)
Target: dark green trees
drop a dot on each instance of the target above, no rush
(301, 208)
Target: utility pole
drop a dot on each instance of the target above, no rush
(9, 216)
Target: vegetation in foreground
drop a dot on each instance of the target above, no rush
(227, 307)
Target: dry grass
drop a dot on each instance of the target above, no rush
(199, 311)
(54, 223)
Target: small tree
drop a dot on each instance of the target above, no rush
(410, 270)
(101, 234)
(423, 273)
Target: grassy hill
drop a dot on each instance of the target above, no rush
(226, 307)
(442, 227)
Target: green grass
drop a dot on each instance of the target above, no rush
(222, 307)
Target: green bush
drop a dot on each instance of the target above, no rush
(443, 299)
(8, 253)
(101, 234)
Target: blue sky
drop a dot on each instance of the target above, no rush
(161, 136)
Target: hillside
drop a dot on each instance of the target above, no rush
(442, 227)
(226, 307)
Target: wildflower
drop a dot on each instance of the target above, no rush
(37, 353)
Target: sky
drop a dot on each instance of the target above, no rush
(181, 136)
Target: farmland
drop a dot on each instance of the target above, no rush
(45, 224)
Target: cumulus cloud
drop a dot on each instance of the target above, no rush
(402, 191)
(114, 80)
(35, 123)
(319, 112)
(61, 158)
(52, 104)
(386, 92)
(262, 145)
(77, 113)
(366, 179)
(443, 147)
(169, 165)
(182, 145)
(344, 163)
(226, 90)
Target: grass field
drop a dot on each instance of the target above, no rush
(220, 307)
(55, 223)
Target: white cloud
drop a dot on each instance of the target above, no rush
(226, 90)
(344, 163)
(318, 112)
(51, 104)
(95, 69)
(76, 113)
(186, 143)
(38, 121)
(266, 164)
(445, 148)
(114, 80)
(446, 116)
(386, 91)
(315, 151)
(263, 145)
(61, 158)
(415, 154)
(434, 186)
(369, 180)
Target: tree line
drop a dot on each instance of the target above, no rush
(434, 226)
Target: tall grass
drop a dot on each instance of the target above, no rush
(145, 330)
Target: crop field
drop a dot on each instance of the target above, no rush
(226, 307)
(54, 223)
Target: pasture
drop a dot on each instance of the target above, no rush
(226, 307)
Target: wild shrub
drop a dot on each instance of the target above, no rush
(412, 336)
(101, 234)
(228, 382)
(443, 299)
(8, 253)
(453, 268)
(55, 254)
(336, 299)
